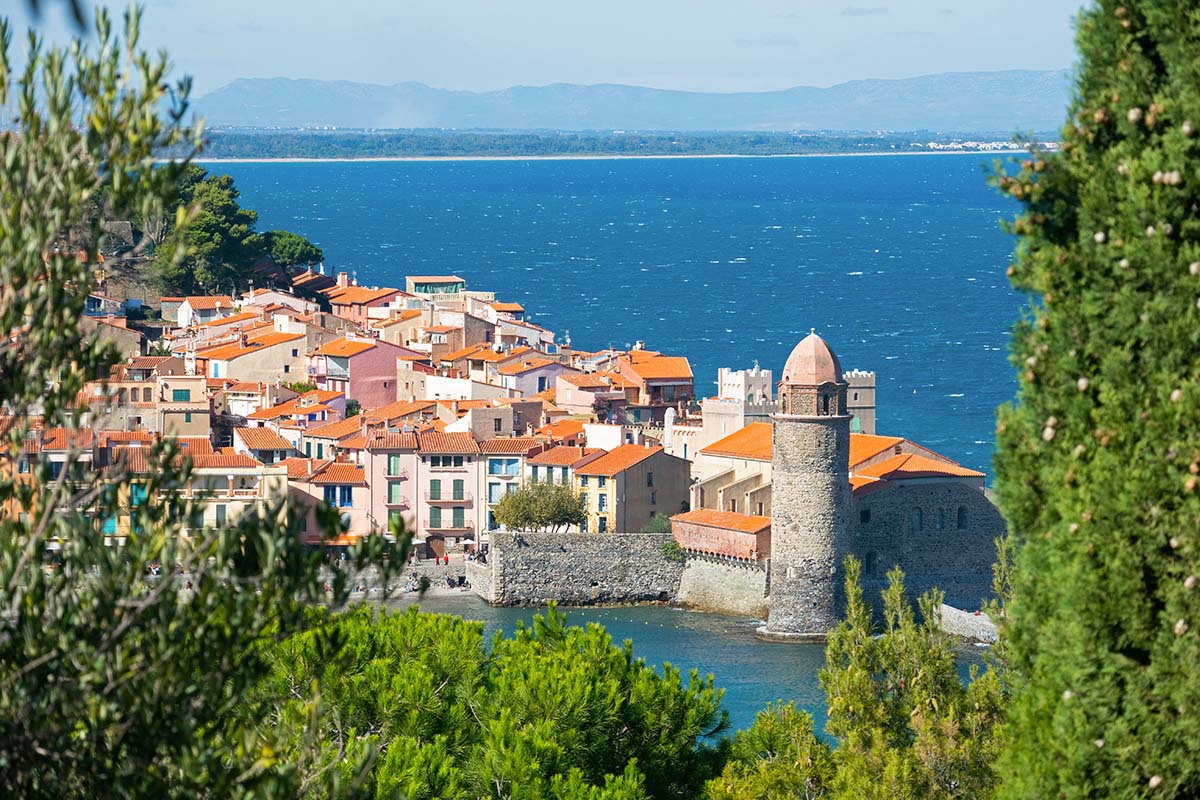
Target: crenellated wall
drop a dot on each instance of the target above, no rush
(726, 586)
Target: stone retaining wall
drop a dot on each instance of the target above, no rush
(714, 584)
(967, 624)
(527, 569)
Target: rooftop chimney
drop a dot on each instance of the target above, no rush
(343, 280)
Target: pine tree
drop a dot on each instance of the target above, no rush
(1097, 460)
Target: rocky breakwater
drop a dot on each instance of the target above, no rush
(530, 569)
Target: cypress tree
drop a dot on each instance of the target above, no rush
(1098, 459)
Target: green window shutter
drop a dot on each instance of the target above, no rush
(435, 490)
(460, 517)
(435, 517)
(458, 491)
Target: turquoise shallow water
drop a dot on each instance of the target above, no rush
(752, 672)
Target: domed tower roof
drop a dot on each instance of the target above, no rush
(812, 363)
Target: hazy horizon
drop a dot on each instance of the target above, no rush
(699, 45)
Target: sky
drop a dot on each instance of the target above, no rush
(699, 45)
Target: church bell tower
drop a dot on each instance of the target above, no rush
(810, 494)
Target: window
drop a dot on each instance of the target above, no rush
(435, 490)
(496, 425)
(654, 498)
(962, 517)
(435, 517)
(602, 504)
(287, 368)
(146, 396)
(23, 466)
(459, 494)
(216, 370)
(510, 488)
(394, 496)
(187, 416)
(183, 395)
(220, 515)
(393, 465)
(869, 562)
(459, 516)
(583, 499)
(602, 525)
(583, 480)
(308, 449)
(346, 496)
(331, 495)
(533, 475)
(503, 466)
(295, 352)
(458, 461)
(685, 451)
(733, 505)
(565, 478)
(864, 516)
(320, 450)
(542, 383)
(916, 520)
(494, 493)
(394, 519)
(602, 481)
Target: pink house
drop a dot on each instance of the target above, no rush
(362, 369)
(354, 302)
(337, 484)
(390, 464)
(448, 476)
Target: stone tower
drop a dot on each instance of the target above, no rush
(810, 494)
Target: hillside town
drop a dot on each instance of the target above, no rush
(429, 403)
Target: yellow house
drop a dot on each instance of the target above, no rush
(628, 485)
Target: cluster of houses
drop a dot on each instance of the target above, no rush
(428, 404)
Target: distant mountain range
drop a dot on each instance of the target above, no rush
(963, 102)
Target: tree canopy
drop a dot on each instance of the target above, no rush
(1098, 458)
(540, 506)
(291, 249)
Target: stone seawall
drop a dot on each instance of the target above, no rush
(527, 569)
(714, 584)
(968, 625)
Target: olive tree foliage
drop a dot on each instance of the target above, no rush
(1098, 460)
(113, 683)
(553, 711)
(540, 507)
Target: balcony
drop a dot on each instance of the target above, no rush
(400, 475)
(449, 526)
(400, 504)
(462, 498)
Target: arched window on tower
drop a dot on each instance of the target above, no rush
(825, 405)
(917, 520)
(962, 517)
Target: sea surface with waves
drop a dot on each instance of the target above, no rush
(897, 261)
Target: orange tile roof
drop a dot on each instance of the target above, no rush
(864, 446)
(223, 461)
(339, 472)
(342, 429)
(618, 460)
(391, 440)
(562, 429)
(526, 365)
(405, 315)
(469, 350)
(297, 468)
(205, 303)
(516, 352)
(728, 520)
(246, 386)
(195, 445)
(262, 439)
(661, 368)
(107, 438)
(293, 406)
(564, 456)
(344, 347)
(146, 362)
(453, 443)
(360, 295)
(511, 307)
(511, 445)
(751, 442)
(584, 380)
(398, 410)
(461, 407)
(229, 352)
(231, 320)
(915, 466)
(64, 438)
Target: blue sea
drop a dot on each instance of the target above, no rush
(898, 261)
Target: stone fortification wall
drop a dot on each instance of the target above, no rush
(975, 626)
(724, 586)
(916, 527)
(578, 569)
(480, 577)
